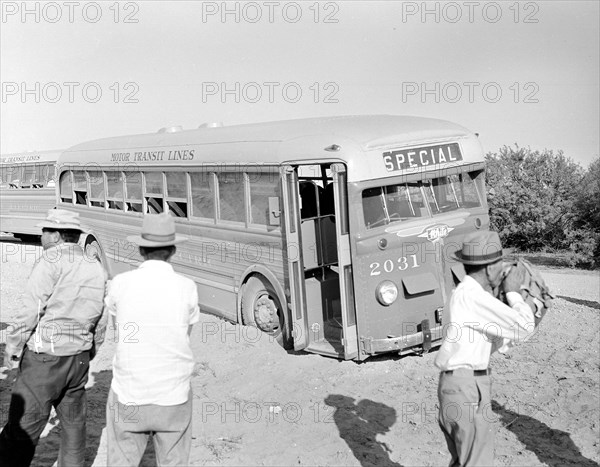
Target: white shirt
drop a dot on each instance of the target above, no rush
(153, 307)
(479, 324)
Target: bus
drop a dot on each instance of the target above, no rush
(27, 191)
(332, 235)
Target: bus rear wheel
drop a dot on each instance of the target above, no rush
(261, 308)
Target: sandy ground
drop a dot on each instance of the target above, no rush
(256, 404)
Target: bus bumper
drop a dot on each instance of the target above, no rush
(424, 339)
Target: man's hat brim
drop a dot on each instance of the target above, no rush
(59, 226)
(140, 241)
(477, 261)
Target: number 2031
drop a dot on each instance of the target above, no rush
(402, 263)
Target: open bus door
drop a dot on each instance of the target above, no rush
(319, 269)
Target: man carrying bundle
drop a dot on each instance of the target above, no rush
(478, 325)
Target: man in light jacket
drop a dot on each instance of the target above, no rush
(54, 336)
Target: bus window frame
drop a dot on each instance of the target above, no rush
(109, 198)
(128, 200)
(227, 222)
(91, 199)
(212, 176)
(146, 195)
(186, 200)
(273, 174)
(87, 187)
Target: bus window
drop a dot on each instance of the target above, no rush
(404, 201)
(28, 176)
(114, 190)
(450, 193)
(177, 193)
(80, 187)
(203, 200)
(387, 204)
(466, 190)
(37, 180)
(263, 185)
(96, 188)
(133, 191)
(14, 176)
(372, 201)
(51, 176)
(4, 171)
(231, 197)
(440, 195)
(66, 187)
(154, 192)
(47, 174)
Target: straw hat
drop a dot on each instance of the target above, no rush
(480, 248)
(157, 230)
(61, 219)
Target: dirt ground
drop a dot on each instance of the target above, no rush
(256, 404)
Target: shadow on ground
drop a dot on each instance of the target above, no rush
(552, 447)
(359, 423)
(579, 301)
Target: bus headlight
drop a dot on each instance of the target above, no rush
(386, 293)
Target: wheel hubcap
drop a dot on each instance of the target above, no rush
(265, 314)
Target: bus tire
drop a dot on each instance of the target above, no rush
(261, 308)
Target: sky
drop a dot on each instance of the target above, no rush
(523, 73)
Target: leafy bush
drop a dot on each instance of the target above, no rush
(543, 201)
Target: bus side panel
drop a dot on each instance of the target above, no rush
(214, 258)
(22, 208)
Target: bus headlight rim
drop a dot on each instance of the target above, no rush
(386, 292)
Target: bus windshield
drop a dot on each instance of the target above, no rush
(384, 205)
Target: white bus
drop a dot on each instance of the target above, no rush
(27, 191)
(332, 234)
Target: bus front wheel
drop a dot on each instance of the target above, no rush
(261, 308)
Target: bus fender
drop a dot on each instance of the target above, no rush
(92, 246)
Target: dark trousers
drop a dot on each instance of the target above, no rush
(45, 381)
(466, 419)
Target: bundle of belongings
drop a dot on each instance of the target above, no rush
(534, 290)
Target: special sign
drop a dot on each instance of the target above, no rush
(415, 158)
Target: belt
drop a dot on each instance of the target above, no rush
(468, 372)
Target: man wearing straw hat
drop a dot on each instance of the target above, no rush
(154, 309)
(55, 335)
(478, 325)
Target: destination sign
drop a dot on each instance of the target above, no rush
(415, 158)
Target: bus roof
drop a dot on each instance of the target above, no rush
(289, 141)
(32, 157)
